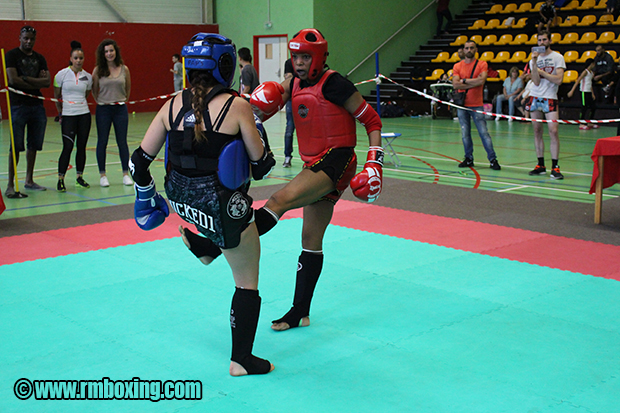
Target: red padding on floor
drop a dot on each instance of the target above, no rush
(568, 254)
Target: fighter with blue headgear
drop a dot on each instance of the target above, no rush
(212, 144)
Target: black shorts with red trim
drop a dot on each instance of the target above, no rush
(340, 165)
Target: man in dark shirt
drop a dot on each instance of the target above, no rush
(290, 123)
(603, 72)
(27, 71)
(249, 77)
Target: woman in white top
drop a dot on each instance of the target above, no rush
(111, 87)
(588, 99)
(72, 86)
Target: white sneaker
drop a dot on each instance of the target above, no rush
(497, 118)
(103, 181)
(127, 180)
(510, 119)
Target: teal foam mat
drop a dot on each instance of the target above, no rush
(397, 326)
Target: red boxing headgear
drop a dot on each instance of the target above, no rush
(312, 42)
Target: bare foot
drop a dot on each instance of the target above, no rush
(305, 322)
(206, 260)
(237, 369)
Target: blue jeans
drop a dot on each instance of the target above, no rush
(511, 104)
(290, 128)
(106, 116)
(481, 124)
(32, 117)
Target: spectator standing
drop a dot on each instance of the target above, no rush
(290, 123)
(470, 74)
(547, 71)
(26, 71)
(249, 77)
(588, 98)
(546, 16)
(72, 85)
(111, 87)
(443, 10)
(177, 72)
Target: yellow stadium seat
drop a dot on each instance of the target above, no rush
(586, 55)
(612, 53)
(450, 73)
(570, 21)
(617, 40)
(487, 56)
(569, 38)
(476, 38)
(441, 57)
(606, 37)
(489, 40)
(524, 7)
(587, 37)
(519, 39)
(501, 76)
(520, 24)
(510, 8)
(501, 57)
(533, 39)
(435, 75)
(536, 7)
(588, 20)
(491, 24)
(478, 24)
(571, 56)
(601, 5)
(605, 20)
(570, 76)
(617, 22)
(505, 39)
(517, 57)
(555, 37)
(587, 4)
(459, 41)
(507, 23)
(572, 5)
(454, 58)
(496, 8)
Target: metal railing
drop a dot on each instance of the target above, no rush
(391, 37)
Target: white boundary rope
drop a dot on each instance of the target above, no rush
(133, 102)
(377, 80)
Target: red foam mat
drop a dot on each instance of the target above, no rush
(569, 254)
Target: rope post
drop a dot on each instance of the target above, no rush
(184, 85)
(378, 83)
(8, 106)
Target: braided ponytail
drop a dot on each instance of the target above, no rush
(201, 81)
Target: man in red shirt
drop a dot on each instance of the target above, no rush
(470, 74)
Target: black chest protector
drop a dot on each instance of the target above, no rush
(192, 157)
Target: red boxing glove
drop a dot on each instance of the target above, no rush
(267, 99)
(366, 185)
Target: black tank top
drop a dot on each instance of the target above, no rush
(189, 156)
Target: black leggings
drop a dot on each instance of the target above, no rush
(588, 106)
(74, 129)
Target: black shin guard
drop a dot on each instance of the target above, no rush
(265, 220)
(201, 246)
(244, 313)
(308, 271)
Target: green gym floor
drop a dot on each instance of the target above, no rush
(428, 151)
(457, 291)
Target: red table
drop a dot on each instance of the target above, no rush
(606, 157)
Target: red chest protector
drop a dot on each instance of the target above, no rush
(320, 124)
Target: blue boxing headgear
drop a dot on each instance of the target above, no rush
(214, 53)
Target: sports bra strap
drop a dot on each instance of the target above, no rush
(223, 113)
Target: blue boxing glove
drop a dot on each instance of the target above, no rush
(151, 209)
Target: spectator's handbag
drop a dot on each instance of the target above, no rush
(458, 98)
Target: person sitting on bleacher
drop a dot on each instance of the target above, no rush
(546, 16)
(512, 87)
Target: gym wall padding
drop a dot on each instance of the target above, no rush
(147, 50)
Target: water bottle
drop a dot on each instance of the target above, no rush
(486, 93)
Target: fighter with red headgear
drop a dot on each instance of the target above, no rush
(325, 107)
